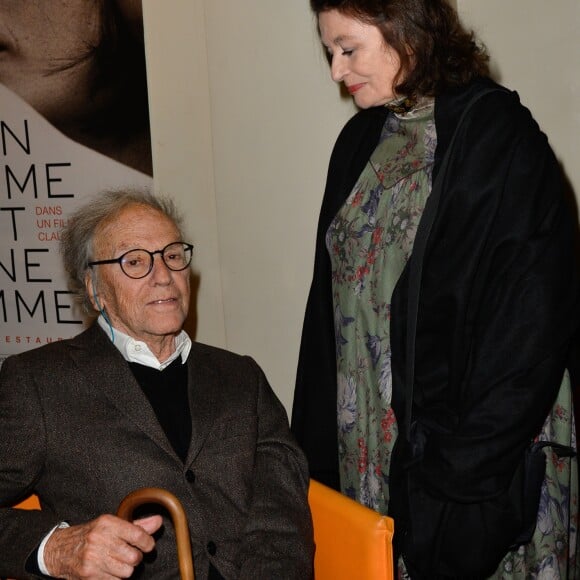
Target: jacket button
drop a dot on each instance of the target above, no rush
(211, 548)
(190, 476)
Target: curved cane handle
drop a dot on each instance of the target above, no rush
(175, 509)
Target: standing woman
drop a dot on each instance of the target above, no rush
(444, 298)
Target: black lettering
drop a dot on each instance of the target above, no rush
(59, 307)
(13, 210)
(28, 264)
(4, 129)
(39, 301)
(10, 177)
(50, 180)
(3, 303)
(11, 275)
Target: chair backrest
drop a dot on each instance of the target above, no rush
(352, 541)
(30, 503)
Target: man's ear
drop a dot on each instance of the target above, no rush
(91, 290)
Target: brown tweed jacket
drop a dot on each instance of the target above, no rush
(76, 429)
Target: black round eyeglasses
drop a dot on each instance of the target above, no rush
(138, 263)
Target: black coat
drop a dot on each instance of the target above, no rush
(499, 303)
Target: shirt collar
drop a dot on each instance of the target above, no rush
(138, 352)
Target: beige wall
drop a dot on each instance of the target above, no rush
(183, 163)
(535, 49)
(243, 120)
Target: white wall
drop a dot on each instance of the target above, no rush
(275, 114)
(535, 49)
(244, 117)
(183, 163)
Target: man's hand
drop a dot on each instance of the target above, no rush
(107, 547)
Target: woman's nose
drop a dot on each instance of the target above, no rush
(337, 68)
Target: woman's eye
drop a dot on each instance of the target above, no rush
(347, 51)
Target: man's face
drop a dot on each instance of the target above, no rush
(151, 309)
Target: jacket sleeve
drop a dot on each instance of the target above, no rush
(22, 437)
(278, 538)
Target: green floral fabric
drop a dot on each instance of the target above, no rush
(553, 551)
(370, 241)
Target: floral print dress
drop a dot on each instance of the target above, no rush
(553, 552)
(369, 242)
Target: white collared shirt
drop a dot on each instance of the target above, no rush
(137, 351)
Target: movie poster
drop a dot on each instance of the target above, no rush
(73, 121)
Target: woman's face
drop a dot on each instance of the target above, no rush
(42, 43)
(360, 58)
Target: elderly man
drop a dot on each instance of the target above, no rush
(132, 402)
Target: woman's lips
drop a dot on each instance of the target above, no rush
(352, 89)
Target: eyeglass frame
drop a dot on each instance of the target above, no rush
(119, 260)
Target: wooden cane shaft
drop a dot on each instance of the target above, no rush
(173, 505)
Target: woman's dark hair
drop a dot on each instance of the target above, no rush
(435, 51)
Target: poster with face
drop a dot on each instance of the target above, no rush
(74, 121)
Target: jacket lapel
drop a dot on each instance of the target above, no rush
(107, 371)
(203, 385)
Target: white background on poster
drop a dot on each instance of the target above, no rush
(44, 176)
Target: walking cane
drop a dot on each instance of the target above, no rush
(177, 513)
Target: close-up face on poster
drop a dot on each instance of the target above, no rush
(74, 121)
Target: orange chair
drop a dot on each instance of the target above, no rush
(30, 503)
(352, 541)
